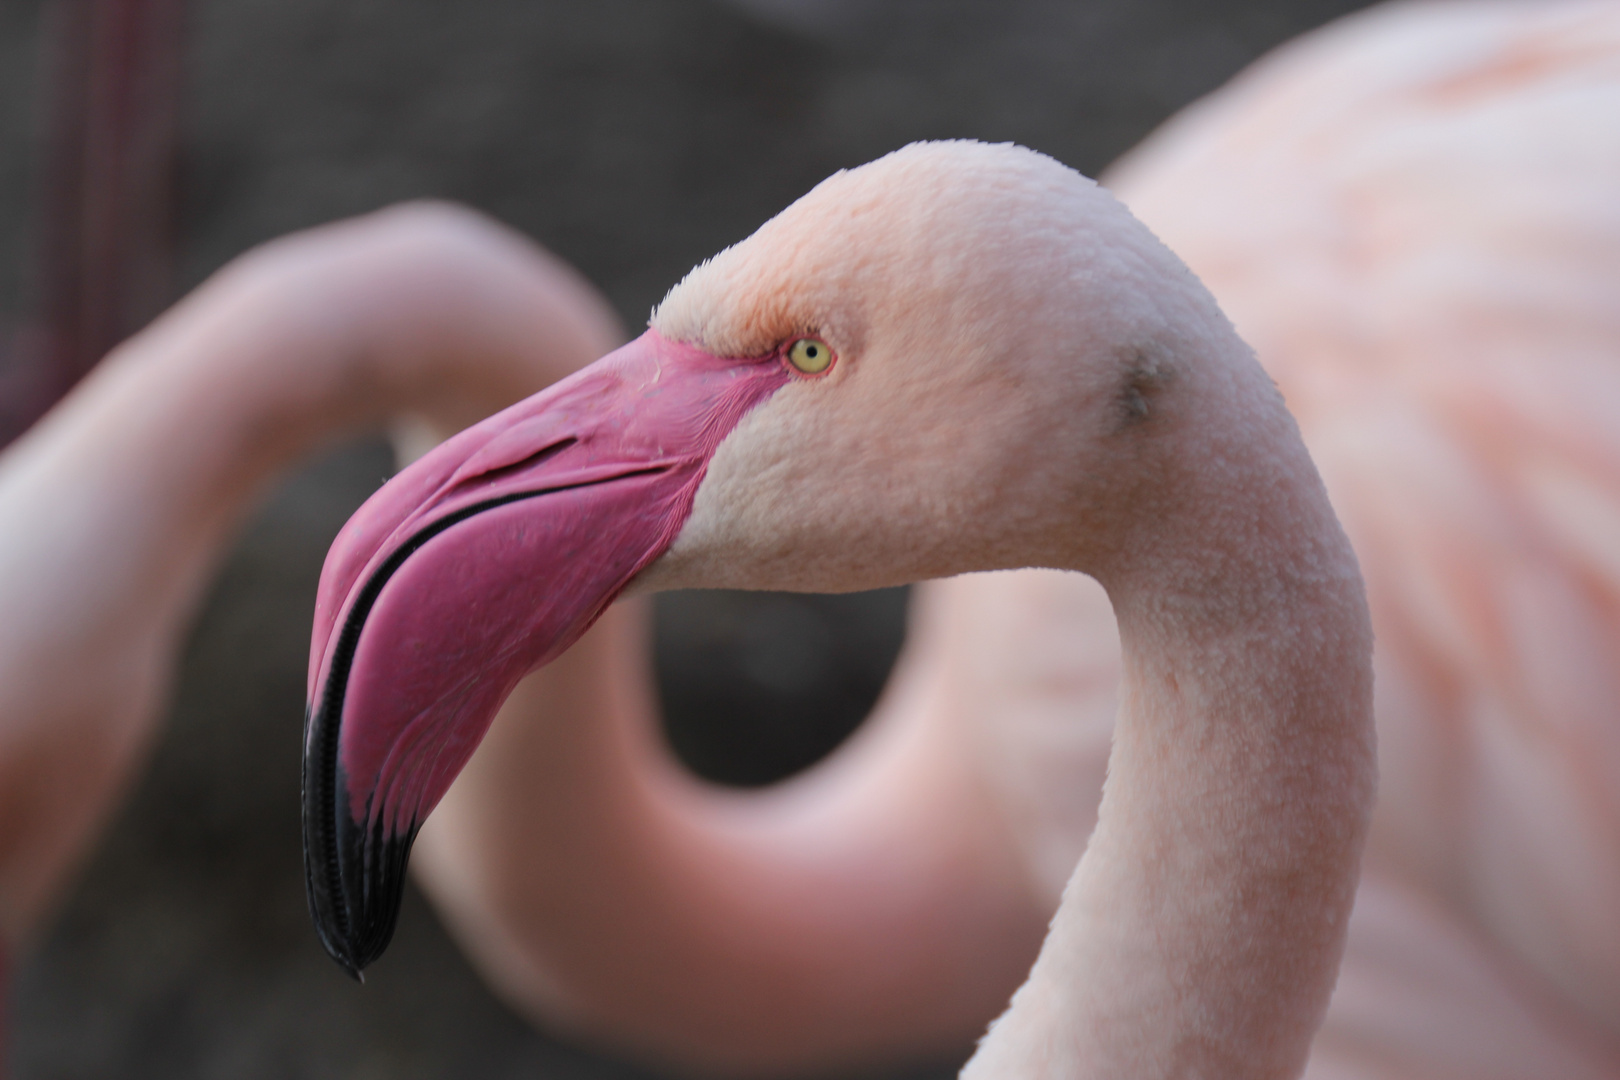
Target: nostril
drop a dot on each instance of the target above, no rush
(539, 457)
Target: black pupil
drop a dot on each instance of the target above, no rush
(810, 351)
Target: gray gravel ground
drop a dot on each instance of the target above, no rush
(633, 137)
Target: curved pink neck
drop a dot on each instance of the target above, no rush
(121, 501)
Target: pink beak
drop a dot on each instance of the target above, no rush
(481, 562)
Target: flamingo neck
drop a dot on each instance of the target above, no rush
(1200, 934)
(127, 493)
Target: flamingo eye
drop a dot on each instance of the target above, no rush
(810, 355)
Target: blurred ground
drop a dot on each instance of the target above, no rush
(633, 137)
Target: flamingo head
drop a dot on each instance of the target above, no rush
(947, 360)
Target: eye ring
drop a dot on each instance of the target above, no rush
(809, 356)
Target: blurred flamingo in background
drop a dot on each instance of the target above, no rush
(119, 504)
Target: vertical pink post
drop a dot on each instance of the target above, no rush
(104, 222)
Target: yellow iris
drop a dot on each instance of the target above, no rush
(810, 355)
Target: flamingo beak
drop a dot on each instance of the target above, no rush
(474, 566)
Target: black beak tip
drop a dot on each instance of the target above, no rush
(354, 876)
(355, 894)
(338, 949)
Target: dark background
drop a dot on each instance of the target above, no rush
(634, 138)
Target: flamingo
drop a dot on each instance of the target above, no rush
(117, 506)
(960, 357)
